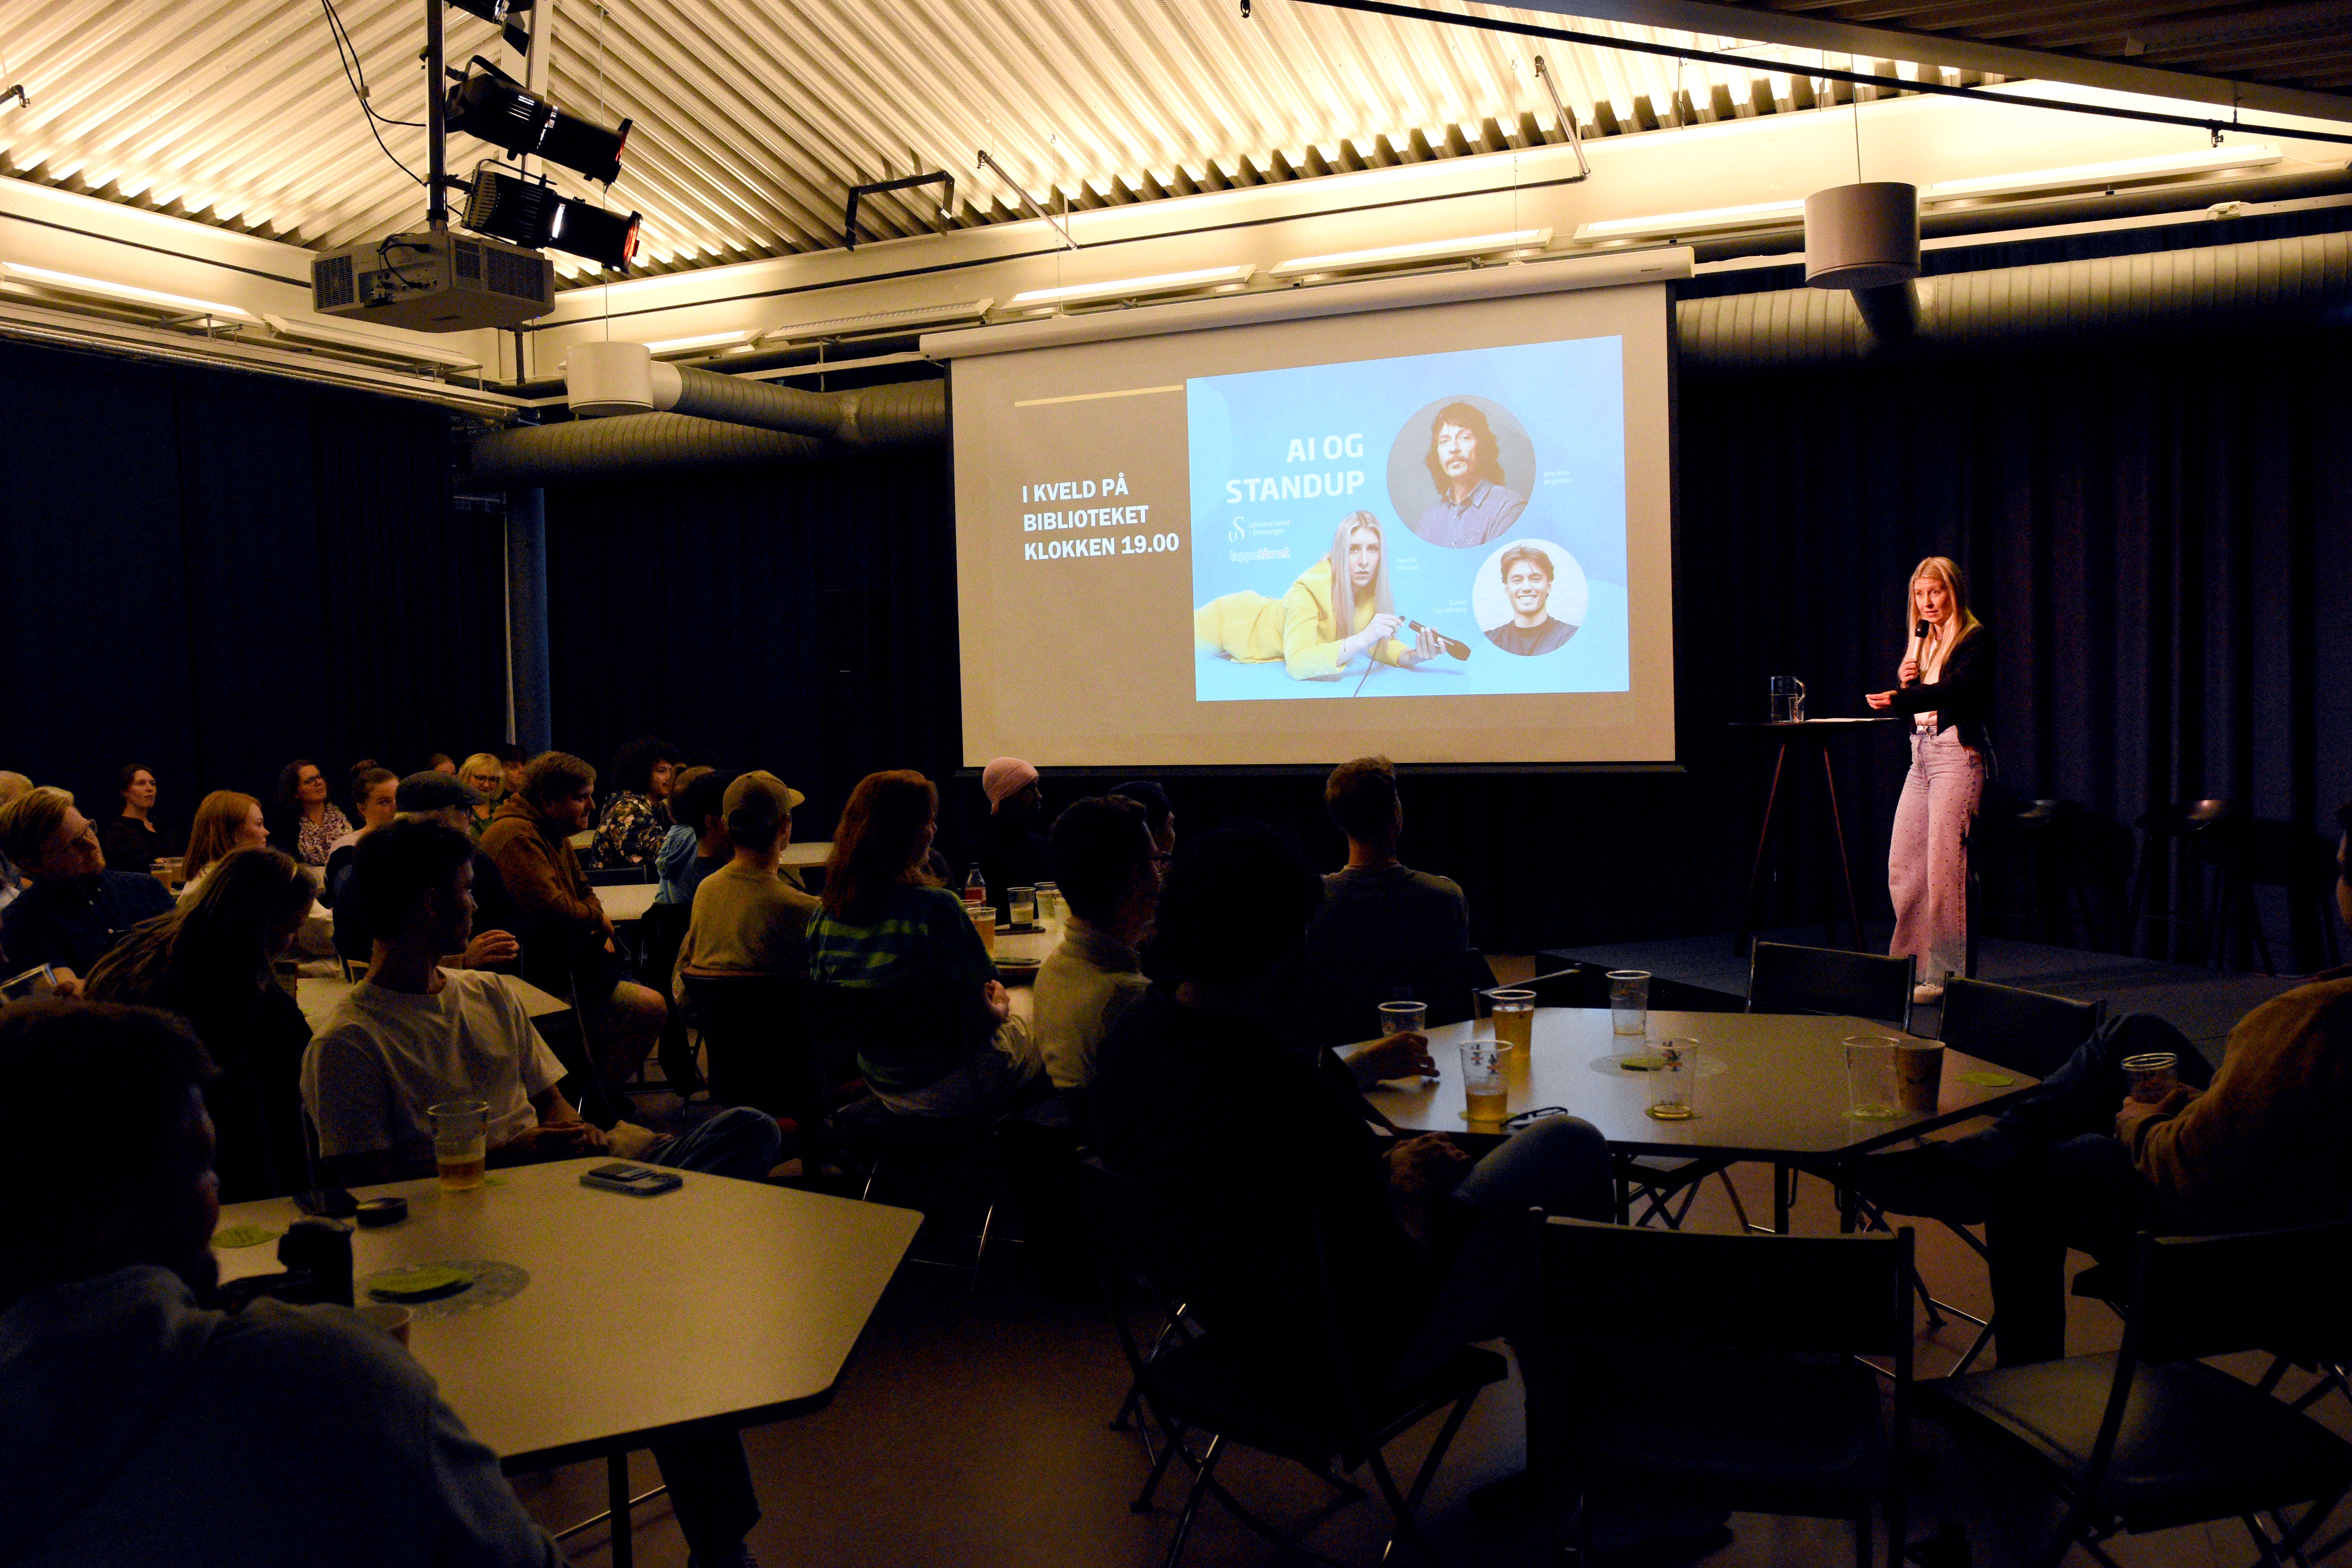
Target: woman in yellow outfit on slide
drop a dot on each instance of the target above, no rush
(1301, 628)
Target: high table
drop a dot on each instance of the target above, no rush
(1813, 735)
(723, 1301)
(1771, 1086)
(627, 901)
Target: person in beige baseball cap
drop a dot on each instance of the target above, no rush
(746, 919)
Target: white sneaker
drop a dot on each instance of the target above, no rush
(1922, 995)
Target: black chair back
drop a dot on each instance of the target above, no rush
(2288, 1292)
(928, 1023)
(661, 934)
(620, 876)
(755, 1033)
(1784, 978)
(1348, 997)
(2029, 1032)
(1846, 1295)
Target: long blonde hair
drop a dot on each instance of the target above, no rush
(1343, 590)
(1941, 639)
(220, 816)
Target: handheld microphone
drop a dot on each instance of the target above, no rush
(1920, 631)
(1458, 649)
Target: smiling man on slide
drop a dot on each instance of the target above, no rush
(1527, 582)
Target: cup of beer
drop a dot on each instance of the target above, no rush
(1628, 1002)
(1021, 906)
(1515, 1018)
(1403, 1018)
(1918, 1077)
(1485, 1097)
(983, 920)
(1049, 901)
(460, 1142)
(1674, 1081)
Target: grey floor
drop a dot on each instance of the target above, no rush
(969, 1427)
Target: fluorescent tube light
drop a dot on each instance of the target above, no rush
(1128, 288)
(878, 321)
(2204, 161)
(1427, 250)
(1707, 220)
(708, 342)
(126, 293)
(367, 342)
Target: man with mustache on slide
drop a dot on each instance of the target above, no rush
(1527, 582)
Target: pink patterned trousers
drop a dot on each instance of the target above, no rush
(1927, 860)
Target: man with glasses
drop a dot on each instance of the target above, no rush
(75, 907)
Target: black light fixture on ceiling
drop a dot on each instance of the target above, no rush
(493, 106)
(497, 12)
(531, 213)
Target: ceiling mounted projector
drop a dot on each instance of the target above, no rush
(1861, 237)
(530, 213)
(433, 282)
(493, 106)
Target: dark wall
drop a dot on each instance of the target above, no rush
(212, 573)
(2161, 534)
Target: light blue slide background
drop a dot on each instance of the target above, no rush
(1569, 397)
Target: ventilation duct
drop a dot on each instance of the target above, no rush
(2268, 282)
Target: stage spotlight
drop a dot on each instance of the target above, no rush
(497, 12)
(527, 213)
(493, 106)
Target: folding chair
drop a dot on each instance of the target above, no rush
(1312, 1409)
(2149, 1437)
(754, 1033)
(1647, 1384)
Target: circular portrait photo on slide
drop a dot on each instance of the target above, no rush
(1529, 597)
(1460, 471)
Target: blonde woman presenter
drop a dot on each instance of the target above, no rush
(1947, 689)
(1305, 628)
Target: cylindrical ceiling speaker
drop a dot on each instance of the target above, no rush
(608, 378)
(1861, 237)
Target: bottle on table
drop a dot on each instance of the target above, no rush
(975, 888)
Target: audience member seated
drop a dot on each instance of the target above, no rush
(2079, 1163)
(413, 1034)
(697, 843)
(309, 824)
(482, 773)
(1237, 1133)
(134, 841)
(440, 762)
(1157, 813)
(746, 919)
(438, 797)
(1107, 867)
(887, 924)
(376, 792)
(226, 820)
(209, 962)
(567, 938)
(512, 761)
(1385, 930)
(1012, 852)
(74, 908)
(11, 882)
(144, 1426)
(636, 817)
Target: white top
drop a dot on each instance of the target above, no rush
(1083, 989)
(385, 1056)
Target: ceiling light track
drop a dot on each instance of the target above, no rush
(1857, 79)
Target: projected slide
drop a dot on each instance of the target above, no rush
(1444, 533)
(1440, 524)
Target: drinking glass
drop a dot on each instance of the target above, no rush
(1674, 1081)
(1049, 901)
(1629, 1001)
(1021, 906)
(460, 1135)
(984, 920)
(2151, 1075)
(1871, 1090)
(1485, 1097)
(1788, 700)
(1515, 1018)
(1403, 1018)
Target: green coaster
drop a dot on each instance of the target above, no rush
(493, 1180)
(1987, 1079)
(1643, 1064)
(423, 1283)
(244, 1235)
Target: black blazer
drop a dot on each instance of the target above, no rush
(1962, 695)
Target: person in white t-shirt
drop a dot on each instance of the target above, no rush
(413, 1034)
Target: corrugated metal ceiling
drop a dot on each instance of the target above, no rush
(752, 119)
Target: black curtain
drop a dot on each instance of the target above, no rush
(2161, 532)
(212, 573)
